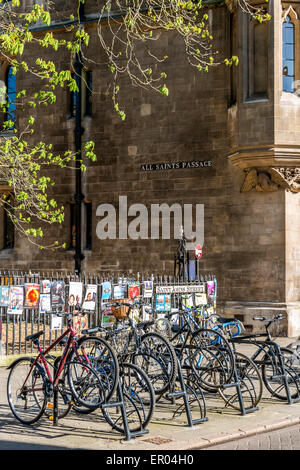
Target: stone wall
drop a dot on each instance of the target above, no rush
(249, 238)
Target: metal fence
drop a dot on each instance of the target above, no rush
(15, 328)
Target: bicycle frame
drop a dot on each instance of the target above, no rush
(71, 344)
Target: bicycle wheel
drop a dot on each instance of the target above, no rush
(26, 390)
(155, 370)
(157, 346)
(85, 384)
(277, 384)
(250, 382)
(292, 359)
(139, 400)
(211, 357)
(65, 398)
(96, 352)
(164, 327)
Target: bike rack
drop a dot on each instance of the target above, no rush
(281, 364)
(237, 384)
(121, 404)
(183, 393)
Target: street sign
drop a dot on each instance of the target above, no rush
(198, 251)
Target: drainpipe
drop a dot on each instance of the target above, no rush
(78, 131)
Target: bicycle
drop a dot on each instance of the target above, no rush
(203, 350)
(149, 350)
(30, 384)
(279, 366)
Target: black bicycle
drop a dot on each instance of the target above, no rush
(150, 351)
(279, 366)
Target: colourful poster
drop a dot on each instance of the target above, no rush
(107, 315)
(32, 295)
(80, 322)
(16, 300)
(133, 289)
(45, 303)
(46, 286)
(163, 303)
(4, 296)
(120, 291)
(75, 294)
(106, 290)
(90, 298)
(57, 293)
(147, 289)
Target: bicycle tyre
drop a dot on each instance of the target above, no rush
(102, 357)
(64, 395)
(271, 372)
(210, 345)
(158, 346)
(139, 400)
(155, 369)
(85, 385)
(26, 403)
(250, 381)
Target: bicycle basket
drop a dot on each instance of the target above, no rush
(119, 312)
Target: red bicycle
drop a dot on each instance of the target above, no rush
(86, 374)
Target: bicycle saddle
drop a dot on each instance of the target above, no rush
(144, 324)
(34, 336)
(226, 320)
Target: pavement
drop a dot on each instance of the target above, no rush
(166, 430)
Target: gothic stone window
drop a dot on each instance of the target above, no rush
(290, 50)
(7, 229)
(257, 59)
(288, 55)
(11, 91)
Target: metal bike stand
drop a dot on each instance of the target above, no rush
(55, 407)
(283, 374)
(121, 404)
(236, 384)
(183, 393)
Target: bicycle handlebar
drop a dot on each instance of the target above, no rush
(275, 318)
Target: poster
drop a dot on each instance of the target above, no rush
(80, 322)
(75, 294)
(32, 295)
(200, 299)
(133, 289)
(56, 322)
(212, 292)
(120, 291)
(16, 300)
(188, 300)
(45, 303)
(163, 303)
(107, 316)
(4, 296)
(90, 298)
(106, 290)
(46, 286)
(148, 289)
(57, 293)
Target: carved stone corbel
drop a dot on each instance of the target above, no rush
(272, 179)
